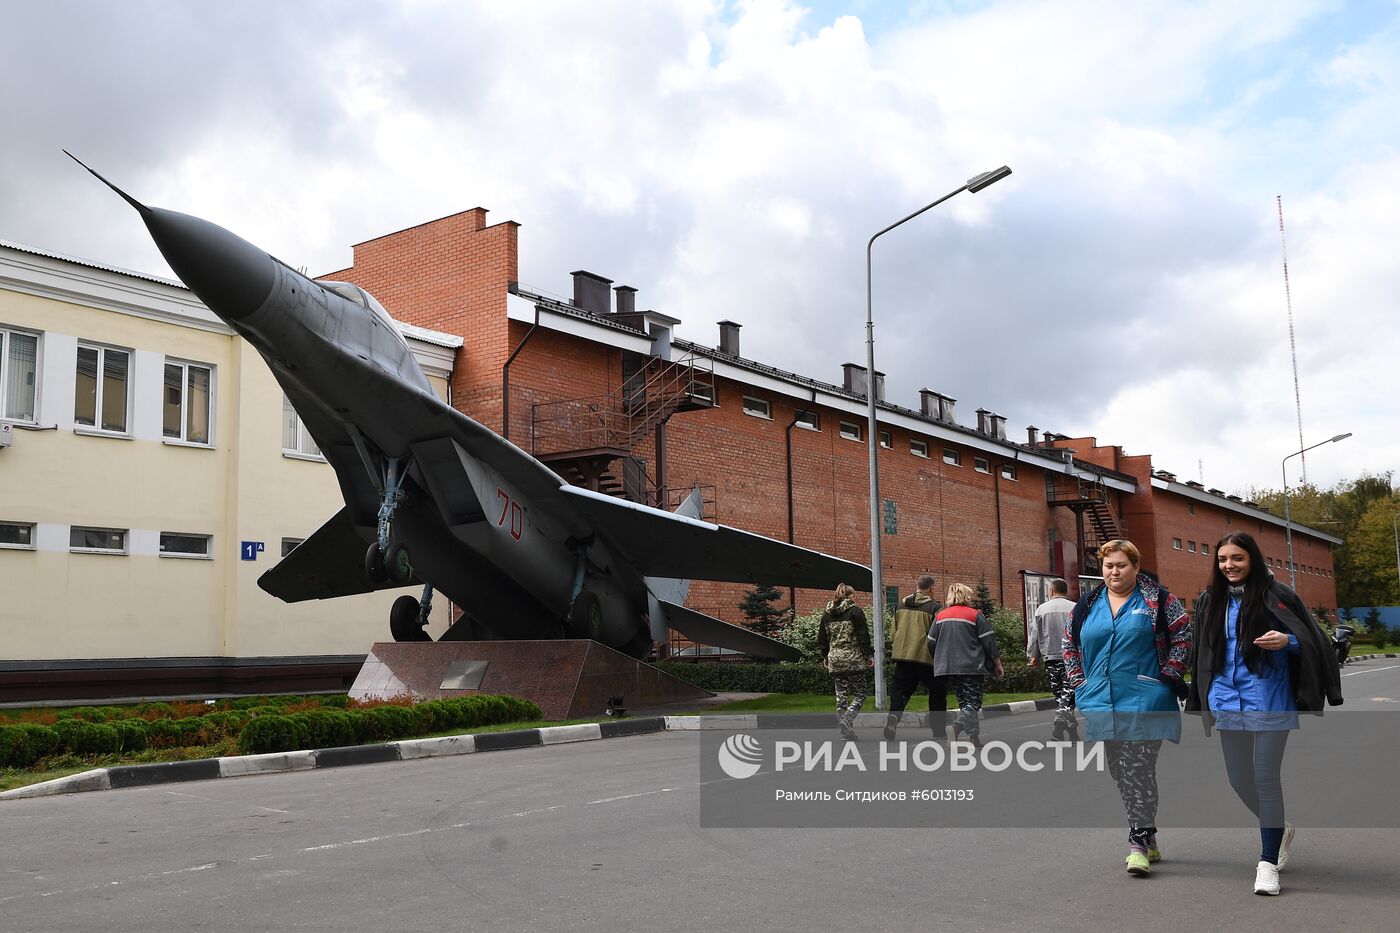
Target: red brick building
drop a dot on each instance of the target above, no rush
(608, 396)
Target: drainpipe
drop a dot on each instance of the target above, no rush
(505, 374)
(792, 590)
(996, 494)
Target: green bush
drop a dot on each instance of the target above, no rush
(326, 728)
(131, 733)
(336, 700)
(43, 740)
(162, 733)
(1011, 634)
(265, 734)
(88, 738)
(15, 750)
(154, 710)
(89, 713)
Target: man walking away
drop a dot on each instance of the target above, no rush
(913, 665)
(1045, 642)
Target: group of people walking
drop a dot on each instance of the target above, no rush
(1127, 657)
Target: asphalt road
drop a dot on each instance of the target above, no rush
(605, 835)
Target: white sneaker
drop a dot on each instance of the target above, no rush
(1266, 878)
(1283, 846)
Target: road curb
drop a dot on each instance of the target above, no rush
(204, 769)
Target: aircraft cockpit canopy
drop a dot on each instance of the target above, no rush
(364, 299)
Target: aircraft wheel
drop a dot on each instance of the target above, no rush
(403, 620)
(374, 564)
(399, 564)
(586, 616)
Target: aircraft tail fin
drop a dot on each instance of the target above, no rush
(707, 630)
(328, 564)
(670, 589)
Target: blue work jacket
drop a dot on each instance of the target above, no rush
(1123, 697)
(1242, 699)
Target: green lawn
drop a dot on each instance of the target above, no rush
(826, 703)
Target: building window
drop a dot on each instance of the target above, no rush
(810, 420)
(101, 388)
(17, 535)
(1008, 471)
(290, 544)
(952, 457)
(19, 359)
(174, 544)
(886, 440)
(851, 431)
(757, 407)
(1190, 508)
(919, 448)
(1269, 561)
(102, 540)
(295, 438)
(981, 465)
(187, 402)
(1191, 546)
(1176, 544)
(1205, 548)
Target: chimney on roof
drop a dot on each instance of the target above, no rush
(729, 337)
(853, 378)
(984, 421)
(591, 292)
(626, 299)
(937, 406)
(1049, 438)
(998, 426)
(879, 386)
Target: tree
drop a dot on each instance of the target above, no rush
(982, 598)
(759, 609)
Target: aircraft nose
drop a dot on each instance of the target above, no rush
(229, 274)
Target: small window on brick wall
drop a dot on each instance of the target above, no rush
(757, 407)
(981, 465)
(919, 448)
(810, 420)
(851, 431)
(952, 457)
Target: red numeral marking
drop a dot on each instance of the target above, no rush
(516, 512)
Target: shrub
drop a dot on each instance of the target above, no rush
(162, 733)
(1011, 635)
(325, 728)
(337, 700)
(88, 738)
(43, 740)
(131, 733)
(15, 750)
(89, 713)
(268, 734)
(155, 711)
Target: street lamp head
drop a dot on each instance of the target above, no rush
(1341, 437)
(977, 182)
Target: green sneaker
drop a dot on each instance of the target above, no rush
(1137, 863)
(1154, 854)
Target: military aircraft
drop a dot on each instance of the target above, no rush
(436, 499)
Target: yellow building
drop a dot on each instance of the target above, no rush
(154, 470)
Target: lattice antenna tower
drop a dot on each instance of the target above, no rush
(1292, 343)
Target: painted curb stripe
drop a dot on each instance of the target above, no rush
(518, 738)
(621, 727)
(356, 755)
(412, 749)
(165, 772)
(582, 732)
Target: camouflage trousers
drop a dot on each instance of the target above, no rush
(968, 689)
(1063, 692)
(850, 695)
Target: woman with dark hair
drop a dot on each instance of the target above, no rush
(1260, 658)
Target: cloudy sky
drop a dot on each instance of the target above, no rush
(730, 160)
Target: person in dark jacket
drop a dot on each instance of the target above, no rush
(1260, 659)
(844, 640)
(913, 665)
(1125, 650)
(964, 649)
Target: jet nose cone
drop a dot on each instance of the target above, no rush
(229, 274)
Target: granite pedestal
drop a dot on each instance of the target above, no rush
(567, 678)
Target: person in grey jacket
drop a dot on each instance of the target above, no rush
(1045, 638)
(964, 650)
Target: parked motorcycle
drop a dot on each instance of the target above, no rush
(1341, 640)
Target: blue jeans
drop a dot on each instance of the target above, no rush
(1254, 763)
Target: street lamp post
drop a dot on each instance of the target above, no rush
(1395, 530)
(1287, 518)
(974, 184)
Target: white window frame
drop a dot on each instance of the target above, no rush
(304, 439)
(102, 351)
(120, 552)
(758, 408)
(852, 431)
(12, 546)
(982, 465)
(887, 440)
(1008, 472)
(1205, 549)
(6, 342)
(952, 457)
(1190, 547)
(1176, 544)
(918, 448)
(182, 438)
(809, 420)
(182, 555)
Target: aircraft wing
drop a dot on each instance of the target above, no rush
(662, 544)
(330, 563)
(708, 630)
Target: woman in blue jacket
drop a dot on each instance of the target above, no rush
(1125, 652)
(1259, 659)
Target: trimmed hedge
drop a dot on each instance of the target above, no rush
(328, 728)
(807, 677)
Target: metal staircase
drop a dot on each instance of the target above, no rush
(1092, 504)
(597, 441)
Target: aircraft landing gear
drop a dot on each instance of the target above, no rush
(387, 560)
(586, 616)
(409, 616)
